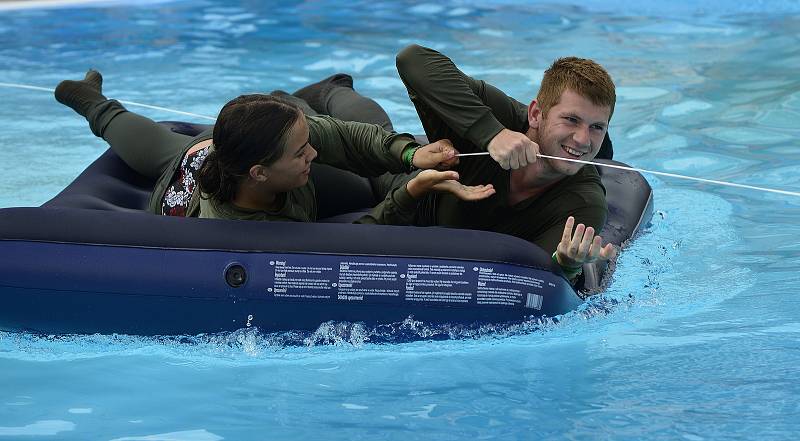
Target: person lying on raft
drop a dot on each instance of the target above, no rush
(539, 200)
(255, 162)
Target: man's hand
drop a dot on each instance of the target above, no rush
(439, 155)
(512, 150)
(446, 181)
(582, 247)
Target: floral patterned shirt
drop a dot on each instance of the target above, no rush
(180, 190)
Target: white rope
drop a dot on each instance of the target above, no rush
(671, 175)
(129, 103)
(179, 112)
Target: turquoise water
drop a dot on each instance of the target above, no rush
(696, 337)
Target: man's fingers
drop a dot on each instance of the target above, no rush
(521, 156)
(530, 153)
(576, 240)
(586, 243)
(595, 249)
(501, 160)
(567, 235)
(608, 252)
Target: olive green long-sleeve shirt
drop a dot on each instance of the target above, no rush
(470, 113)
(365, 149)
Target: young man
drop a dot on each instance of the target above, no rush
(537, 199)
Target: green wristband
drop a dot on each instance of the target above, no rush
(408, 157)
(569, 271)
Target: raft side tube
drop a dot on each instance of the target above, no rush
(91, 260)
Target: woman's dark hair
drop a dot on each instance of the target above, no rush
(250, 130)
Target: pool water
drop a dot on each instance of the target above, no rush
(697, 336)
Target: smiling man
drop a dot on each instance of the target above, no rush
(537, 199)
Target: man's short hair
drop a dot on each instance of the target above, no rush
(582, 76)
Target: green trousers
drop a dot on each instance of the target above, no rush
(150, 148)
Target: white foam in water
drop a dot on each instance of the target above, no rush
(685, 108)
(460, 24)
(783, 149)
(691, 163)
(351, 406)
(30, 4)
(529, 76)
(187, 435)
(426, 9)
(141, 56)
(80, 410)
(351, 64)
(424, 413)
(383, 83)
(793, 101)
(646, 129)
(746, 135)
(660, 265)
(39, 428)
(239, 17)
(676, 28)
(242, 29)
(493, 33)
(458, 12)
(780, 118)
(640, 93)
(669, 142)
(768, 85)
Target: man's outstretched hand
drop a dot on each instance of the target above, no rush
(582, 247)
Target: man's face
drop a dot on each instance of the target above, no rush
(574, 128)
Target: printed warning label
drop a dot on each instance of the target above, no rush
(301, 281)
(392, 280)
(358, 280)
(438, 283)
(499, 288)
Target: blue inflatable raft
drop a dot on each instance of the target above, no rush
(92, 261)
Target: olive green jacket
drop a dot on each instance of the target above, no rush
(470, 113)
(364, 149)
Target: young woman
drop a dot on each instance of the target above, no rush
(255, 163)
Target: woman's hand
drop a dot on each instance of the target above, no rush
(439, 155)
(446, 181)
(582, 247)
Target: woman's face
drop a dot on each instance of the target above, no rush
(292, 169)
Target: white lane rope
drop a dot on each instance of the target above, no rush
(129, 103)
(658, 173)
(620, 167)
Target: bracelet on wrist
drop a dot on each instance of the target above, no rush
(408, 157)
(569, 271)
